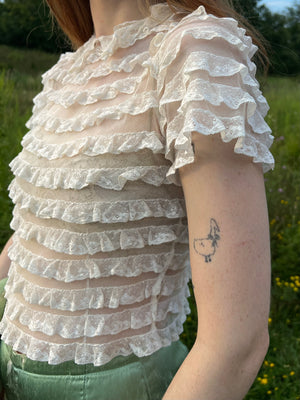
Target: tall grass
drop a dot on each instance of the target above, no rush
(279, 375)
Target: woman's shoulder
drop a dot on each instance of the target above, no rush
(199, 30)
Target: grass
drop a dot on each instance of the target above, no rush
(279, 375)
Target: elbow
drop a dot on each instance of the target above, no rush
(253, 355)
(261, 346)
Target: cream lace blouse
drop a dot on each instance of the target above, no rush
(100, 257)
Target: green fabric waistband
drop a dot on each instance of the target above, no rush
(124, 377)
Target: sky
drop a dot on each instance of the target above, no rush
(277, 5)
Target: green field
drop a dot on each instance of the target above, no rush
(279, 377)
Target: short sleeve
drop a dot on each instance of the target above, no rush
(206, 84)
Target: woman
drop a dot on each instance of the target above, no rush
(143, 163)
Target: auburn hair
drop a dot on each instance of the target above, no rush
(75, 18)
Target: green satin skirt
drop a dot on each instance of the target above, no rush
(123, 378)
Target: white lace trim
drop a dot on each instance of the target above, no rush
(59, 73)
(76, 178)
(90, 325)
(67, 98)
(200, 80)
(137, 104)
(92, 145)
(78, 243)
(104, 212)
(94, 297)
(71, 270)
(84, 353)
(70, 67)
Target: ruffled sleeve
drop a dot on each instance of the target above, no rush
(206, 83)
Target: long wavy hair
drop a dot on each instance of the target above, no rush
(75, 18)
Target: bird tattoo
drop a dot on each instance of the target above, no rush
(206, 247)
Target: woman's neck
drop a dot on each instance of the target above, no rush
(107, 14)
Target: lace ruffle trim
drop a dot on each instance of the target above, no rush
(104, 212)
(75, 178)
(85, 353)
(94, 297)
(91, 325)
(91, 268)
(70, 65)
(93, 145)
(67, 98)
(60, 74)
(188, 86)
(77, 243)
(138, 104)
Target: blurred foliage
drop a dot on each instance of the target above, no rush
(27, 23)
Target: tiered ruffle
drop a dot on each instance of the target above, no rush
(78, 243)
(90, 325)
(83, 353)
(69, 270)
(214, 89)
(94, 297)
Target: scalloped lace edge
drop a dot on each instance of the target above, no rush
(95, 297)
(136, 105)
(90, 268)
(76, 243)
(84, 353)
(90, 325)
(88, 212)
(94, 145)
(108, 178)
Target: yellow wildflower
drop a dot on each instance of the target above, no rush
(295, 289)
(284, 202)
(284, 376)
(270, 320)
(264, 381)
(269, 391)
(265, 375)
(272, 365)
(292, 373)
(276, 389)
(266, 363)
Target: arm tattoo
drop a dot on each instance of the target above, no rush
(207, 246)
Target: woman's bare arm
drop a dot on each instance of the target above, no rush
(4, 259)
(230, 261)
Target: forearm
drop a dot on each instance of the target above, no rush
(5, 260)
(216, 373)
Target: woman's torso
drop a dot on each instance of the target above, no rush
(100, 255)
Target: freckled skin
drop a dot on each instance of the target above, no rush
(206, 247)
